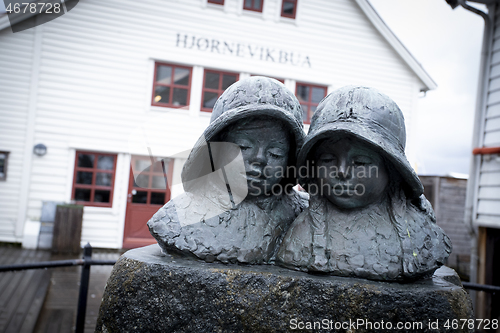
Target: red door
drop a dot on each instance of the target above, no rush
(147, 192)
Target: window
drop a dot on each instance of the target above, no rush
(94, 179)
(150, 186)
(4, 156)
(217, 2)
(214, 84)
(254, 5)
(309, 97)
(171, 85)
(289, 8)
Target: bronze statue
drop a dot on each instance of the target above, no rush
(367, 215)
(238, 199)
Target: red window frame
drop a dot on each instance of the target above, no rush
(3, 175)
(172, 86)
(253, 5)
(93, 187)
(216, 2)
(219, 89)
(294, 14)
(308, 104)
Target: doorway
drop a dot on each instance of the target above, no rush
(147, 192)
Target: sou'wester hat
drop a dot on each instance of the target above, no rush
(251, 97)
(370, 116)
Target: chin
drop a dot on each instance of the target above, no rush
(345, 203)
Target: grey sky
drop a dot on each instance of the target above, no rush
(448, 44)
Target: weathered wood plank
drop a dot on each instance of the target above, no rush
(11, 279)
(37, 284)
(36, 304)
(67, 229)
(21, 292)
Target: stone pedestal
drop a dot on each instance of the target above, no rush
(152, 292)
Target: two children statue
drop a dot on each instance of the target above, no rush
(364, 215)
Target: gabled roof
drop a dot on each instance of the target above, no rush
(428, 82)
(375, 19)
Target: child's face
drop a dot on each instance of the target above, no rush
(349, 173)
(264, 145)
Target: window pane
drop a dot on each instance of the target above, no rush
(304, 112)
(105, 162)
(212, 80)
(158, 167)
(288, 7)
(158, 182)
(164, 74)
(142, 181)
(83, 177)
(209, 99)
(103, 179)
(162, 94)
(317, 94)
(140, 197)
(2, 163)
(82, 194)
(101, 196)
(181, 76)
(86, 160)
(258, 4)
(248, 3)
(180, 97)
(228, 80)
(157, 198)
(302, 93)
(141, 165)
(313, 109)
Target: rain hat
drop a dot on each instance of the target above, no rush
(369, 116)
(256, 96)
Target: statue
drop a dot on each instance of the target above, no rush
(367, 215)
(239, 200)
(367, 218)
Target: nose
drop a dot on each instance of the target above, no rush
(344, 171)
(259, 156)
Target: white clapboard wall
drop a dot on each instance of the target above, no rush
(16, 112)
(94, 73)
(487, 208)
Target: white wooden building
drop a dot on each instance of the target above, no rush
(482, 210)
(95, 85)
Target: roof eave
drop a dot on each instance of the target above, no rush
(427, 82)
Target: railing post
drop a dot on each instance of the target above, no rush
(84, 289)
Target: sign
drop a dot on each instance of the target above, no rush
(242, 50)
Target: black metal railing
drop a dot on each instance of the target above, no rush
(481, 287)
(86, 262)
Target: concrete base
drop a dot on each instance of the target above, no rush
(152, 292)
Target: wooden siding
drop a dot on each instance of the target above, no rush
(447, 196)
(96, 73)
(16, 59)
(487, 209)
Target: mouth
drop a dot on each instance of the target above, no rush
(342, 189)
(255, 176)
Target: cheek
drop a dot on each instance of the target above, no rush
(276, 167)
(377, 185)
